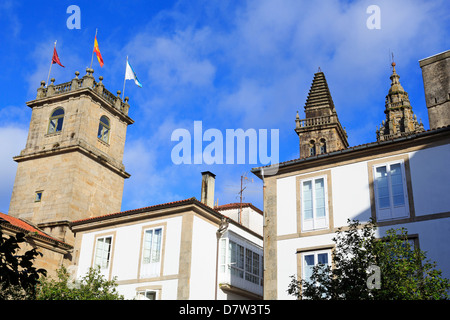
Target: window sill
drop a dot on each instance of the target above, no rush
(312, 232)
(103, 142)
(53, 134)
(389, 221)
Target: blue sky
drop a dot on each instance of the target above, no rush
(230, 64)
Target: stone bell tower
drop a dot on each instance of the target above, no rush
(400, 120)
(321, 131)
(436, 82)
(71, 167)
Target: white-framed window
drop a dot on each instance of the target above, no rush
(313, 258)
(103, 252)
(314, 203)
(252, 266)
(146, 295)
(241, 261)
(151, 252)
(236, 259)
(391, 196)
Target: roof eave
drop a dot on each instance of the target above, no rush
(259, 171)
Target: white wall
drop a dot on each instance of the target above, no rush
(203, 261)
(244, 234)
(350, 191)
(286, 206)
(250, 219)
(126, 255)
(430, 176)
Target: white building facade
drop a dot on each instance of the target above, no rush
(181, 250)
(399, 183)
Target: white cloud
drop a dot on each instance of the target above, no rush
(173, 60)
(12, 141)
(154, 178)
(7, 12)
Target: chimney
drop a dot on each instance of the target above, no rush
(208, 181)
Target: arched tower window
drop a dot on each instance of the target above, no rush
(103, 129)
(323, 146)
(56, 120)
(312, 148)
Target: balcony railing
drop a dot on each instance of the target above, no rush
(317, 121)
(309, 122)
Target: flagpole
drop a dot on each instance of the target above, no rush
(92, 58)
(51, 63)
(124, 79)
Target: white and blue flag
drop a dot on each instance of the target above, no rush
(131, 75)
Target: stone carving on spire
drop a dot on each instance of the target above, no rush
(400, 119)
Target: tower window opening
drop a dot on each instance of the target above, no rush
(103, 129)
(323, 146)
(56, 120)
(38, 196)
(312, 148)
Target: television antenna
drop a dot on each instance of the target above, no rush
(240, 194)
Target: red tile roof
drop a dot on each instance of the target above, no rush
(25, 227)
(144, 209)
(163, 205)
(237, 205)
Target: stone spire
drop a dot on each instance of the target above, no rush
(319, 101)
(400, 120)
(321, 131)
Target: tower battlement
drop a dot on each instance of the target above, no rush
(81, 84)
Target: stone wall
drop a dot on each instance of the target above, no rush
(436, 80)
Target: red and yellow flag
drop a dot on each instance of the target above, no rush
(97, 52)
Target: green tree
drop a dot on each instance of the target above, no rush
(18, 276)
(404, 272)
(93, 286)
